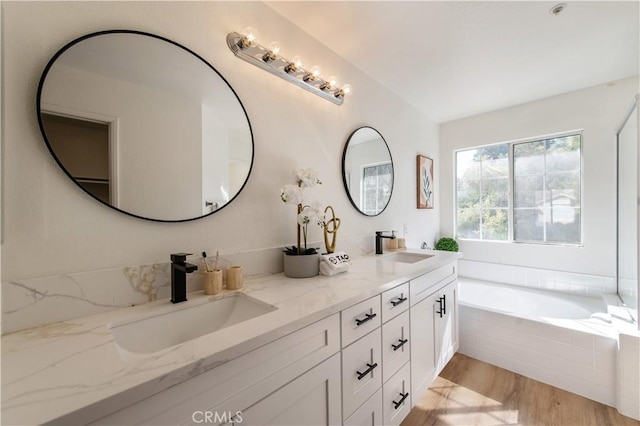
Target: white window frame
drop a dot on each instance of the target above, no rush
(362, 188)
(511, 209)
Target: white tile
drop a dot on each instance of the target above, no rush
(486, 317)
(629, 349)
(470, 326)
(582, 372)
(559, 365)
(519, 275)
(609, 285)
(533, 278)
(605, 361)
(630, 390)
(630, 370)
(468, 338)
(606, 379)
(630, 408)
(468, 312)
(578, 386)
(583, 340)
(603, 395)
(582, 356)
(560, 350)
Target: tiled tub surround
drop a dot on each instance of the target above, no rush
(53, 371)
(32, 302)
(567, 341)
(545, 279)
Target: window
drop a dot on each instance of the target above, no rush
(544, 205)
(376, 189)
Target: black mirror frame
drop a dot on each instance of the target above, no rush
(142, 33)
(344, 178)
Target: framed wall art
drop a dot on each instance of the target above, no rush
(425, 183)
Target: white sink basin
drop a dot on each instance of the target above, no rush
(404, 257)
(185, 321)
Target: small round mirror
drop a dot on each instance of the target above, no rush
(145, 125)
(367, 171)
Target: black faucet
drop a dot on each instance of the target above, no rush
(179, 270)
(379, 238)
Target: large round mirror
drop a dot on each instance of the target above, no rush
(367, 171)
(145, 125)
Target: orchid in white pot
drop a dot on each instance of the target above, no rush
(307, 213)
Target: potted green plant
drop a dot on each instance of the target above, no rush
(301, 261)
(447, 244)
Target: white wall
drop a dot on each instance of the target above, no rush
(52, 227)
(598, 111)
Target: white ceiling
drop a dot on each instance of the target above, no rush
(453, 59)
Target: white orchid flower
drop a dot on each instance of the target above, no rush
(291, 194)
(307, 177)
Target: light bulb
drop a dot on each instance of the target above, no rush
(329, 84)
(249, 37)
(273, 52)
(296, 63)
(315, 70)
(312, 74)
(275, 48)
(345, 91)
(251, 34)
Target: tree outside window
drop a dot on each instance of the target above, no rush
(546, 199)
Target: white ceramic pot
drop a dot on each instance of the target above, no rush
(301, 266)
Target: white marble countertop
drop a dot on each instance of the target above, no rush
(73, 371)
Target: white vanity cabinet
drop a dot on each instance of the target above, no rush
(264, 384)
(446, 325)
(433, 318)
(375, 366)
(361, 354)
(369, 364)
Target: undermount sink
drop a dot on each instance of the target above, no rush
(186, 321)
(404, 257)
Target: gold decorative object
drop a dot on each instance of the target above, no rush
(331, 227)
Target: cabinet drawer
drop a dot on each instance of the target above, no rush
(312, 399)
(369, 414)
(424, 285)
(395, 345)
(395, 301)
(396, 398)
(360, 319)
(361, 371)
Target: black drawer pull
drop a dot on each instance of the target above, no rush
(367, 371)
(367, 318)
(399, 345)
(441, 311)
(404, 396)
(398, 301)
(444, 304)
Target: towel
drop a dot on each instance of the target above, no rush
(334, 263)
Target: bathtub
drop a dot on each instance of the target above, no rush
(563, 340)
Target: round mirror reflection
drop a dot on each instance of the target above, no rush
(367, 171)
(145, 125)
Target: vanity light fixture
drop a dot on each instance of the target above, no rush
(247, 47)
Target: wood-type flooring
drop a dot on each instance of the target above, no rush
(471, 392)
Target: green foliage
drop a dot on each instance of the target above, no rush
(447, 244)
(545, 195)
(293, 251)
